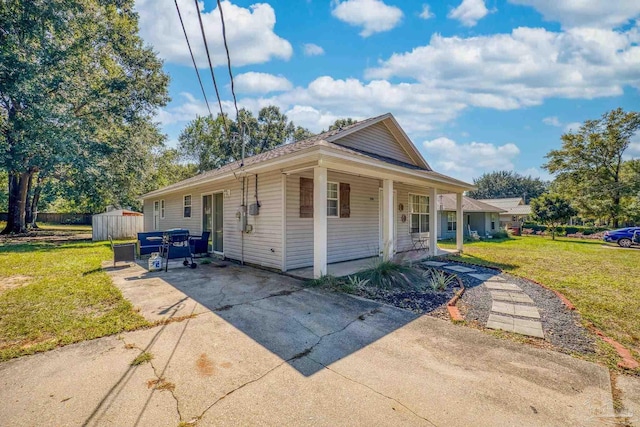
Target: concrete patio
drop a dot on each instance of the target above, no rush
(240, 346)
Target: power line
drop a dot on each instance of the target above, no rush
(213, 76)
(226, 48)
(193, 59)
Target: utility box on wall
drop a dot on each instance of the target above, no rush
(254, 209)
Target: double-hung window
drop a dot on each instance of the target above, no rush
(187, 206)
(451, 221)
(332, 199)
(419, 212)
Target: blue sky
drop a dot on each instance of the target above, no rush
(479, 85)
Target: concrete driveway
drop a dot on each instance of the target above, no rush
(249, 347)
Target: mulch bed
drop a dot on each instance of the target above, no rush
(427, 301)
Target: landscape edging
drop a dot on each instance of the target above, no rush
(454, 313)
(628, 362)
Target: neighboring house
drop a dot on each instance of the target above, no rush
(478, 216)
(516, 211)
(356, 192)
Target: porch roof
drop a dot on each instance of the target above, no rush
(308, 146)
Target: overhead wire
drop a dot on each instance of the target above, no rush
(195, 66)
(213, 76)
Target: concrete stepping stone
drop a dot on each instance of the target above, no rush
(515, 309)
(520, 297)
(460, 269)
(485, 276)
(502, 286)
(531, 328)
(434, 263)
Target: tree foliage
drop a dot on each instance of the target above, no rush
(206, 142)
(76, 83)
(504, 184)
(341, 123)
(590, 166)
(552, 210)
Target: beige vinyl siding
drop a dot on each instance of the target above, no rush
(263, 246)
(378, 140)
(348, 238)
(403, 239)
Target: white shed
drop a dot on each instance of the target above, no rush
(118, 223)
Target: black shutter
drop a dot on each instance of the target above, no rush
(345, 200)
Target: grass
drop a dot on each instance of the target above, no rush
(58, 227)
(603, 283)
(53, 295)
(142, 358)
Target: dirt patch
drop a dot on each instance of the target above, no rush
(44, 236)
(14, 282)
(205, 366)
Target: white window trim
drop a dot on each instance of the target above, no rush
(411, 213)
(454, 222)
(162, 208)
(184, 205)
(337, 184)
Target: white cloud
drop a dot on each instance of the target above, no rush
(426, 12)
(537, 173)
(572, 127)
(523, 68)
(374, 16)
(633, 152)
(552, 121)
(189, 109)
(469, 12)
(250, 32)
(311, 49)
(585, 13)
(466, 161)
(252, 82)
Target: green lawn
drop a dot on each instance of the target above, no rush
(53, 295)
(602, 282)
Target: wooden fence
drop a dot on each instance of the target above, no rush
(58, 218)
(118, 227)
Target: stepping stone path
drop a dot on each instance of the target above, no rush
(512, 309)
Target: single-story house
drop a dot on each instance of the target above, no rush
(355, 192)
(478, 216)
(516, 212)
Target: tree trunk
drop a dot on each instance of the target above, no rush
(18, 183)
(28, 208)
(34, 205)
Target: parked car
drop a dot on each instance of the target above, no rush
(624, 237)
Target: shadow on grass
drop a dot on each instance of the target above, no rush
(482, 262)
(23, 247)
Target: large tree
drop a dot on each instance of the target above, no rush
(213, 142)
(341, 123)
(75, 82)
(589, 166)
(503, 184)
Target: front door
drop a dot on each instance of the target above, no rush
(207, 216)
(217, 224)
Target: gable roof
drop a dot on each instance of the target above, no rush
(323, 139)
(447, 202)
(505, 203)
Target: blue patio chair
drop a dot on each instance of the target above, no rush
(200, 244)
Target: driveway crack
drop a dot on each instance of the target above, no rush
(272, 295)
(375, 391)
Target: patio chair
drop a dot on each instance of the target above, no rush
(420, 242)
(125, 252)
(473, 233)
(200, 244)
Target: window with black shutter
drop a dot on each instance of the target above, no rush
(306, 197)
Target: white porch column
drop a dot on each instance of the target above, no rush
(433, 222)
(319, 222)
(387, 219)
(459, 222)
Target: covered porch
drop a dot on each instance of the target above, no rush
(400, 222)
